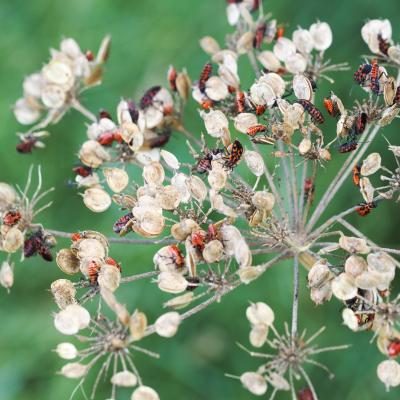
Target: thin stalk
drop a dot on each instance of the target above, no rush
(137, 277)
(295, 307)
(309, 196)
(289, 191)
(293, 174)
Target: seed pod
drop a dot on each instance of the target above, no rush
(255, 383)
(117, 179)
(388, 372)
(303, 40)
(260, 313)
(215, 123)
(96, 200)
(319, 275)
(137, 325)
(145, 393)
(169, 259)
(389, 91)
(172, 282)
(322, 35)
(209, 45)
(59, 73)
(183, 85)
(71, 319)
(53, 96)
(245, 43)
(269, 61)
(394, 53)
(371, 164)
(124, 379)
(64, 292)
(278, 381)
(305, 146)
(354, 245)
(263, 200)
(344, 287)
(321, 294)
(93, 154)
(6, 275)
(275, 81)
(197, 188)
(254, 162)
(367, 190)
(170, 159)
(262, 94)
(183, 229)
(350, 319)
(258, 335)
(8, 196)
(296, 64)
(74, 370)
(168, 197)
(368, 280)
(109, 277)
(217, 177)
(151, 224)
(67, 261)
(179, 181)
(244, 121)
(355, 265)
(381, 262)
(216, 89)
(242, 254)
(12, 240)
(91, 248)
(213, 251)
(249, 274)
(388, 115)
(284, 48)
(180, 301)
(67, 351)
(302, 87)
(167, 324)
(153, 173)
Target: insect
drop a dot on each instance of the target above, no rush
(83, 170)
(280, 32)
(108, 138)
(159, 140)
(361, 123)
(259, 35)
(76, 236)
(361, 75)
(89, 55)
(104, 114)
(313, 111)
(331, 107)
(204, 76)
(397, 96)
(133, 111)
(365, 208)
(393, 349)
(93, 272)
(309, 189)
(349, 146)
(176, 254)
(305, 394)
(207, 104)
(374, 77)
(212, 232)
(357, 174)
(172, 77)
(123, 224)
(11, 218)
(148, 97)
(111, 261)
(26, 145)
(204, 164)
(235, 154)
(38, 243)
(198, 240)
(193, 282)
(240, 102)
(383, 45)
(260, 109)
(253, 130)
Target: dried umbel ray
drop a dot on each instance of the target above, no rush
(248, 192)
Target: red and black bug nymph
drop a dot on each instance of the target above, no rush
(36, 243)
(148, 97)
(123, 224)
(204, 76)
(365, 208)
(313, 111)
(357, 174)
(361, 75)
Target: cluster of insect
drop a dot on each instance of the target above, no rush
(243, 190)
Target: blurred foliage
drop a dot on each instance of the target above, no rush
(147, 37)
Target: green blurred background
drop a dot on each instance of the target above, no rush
(147, 37)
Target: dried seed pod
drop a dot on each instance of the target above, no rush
(215, 123)
(109, 277)
(245, 43)
(124, 379)
(74, 370)
(255, 383)
(179, 181)
(322, 35)
(91, 248)
(275, 81)
(145, 393)
(269, 61)
(344, 287)
(93, 154)
(284, 48)
(183, 85)
(96, 199)
(12, 240)
(117, 179)
(168, 197)
(321, 294)
(243, 254)
(254, 162)
(172, 282)
(394, 53)
(167, 324)
(169, 258)
(296, 63)
(389, 91)
(53, 96)
(64, 292)
(151, 224)
(303, 41)
(72, 319)
(209, 45)
(249, 274)
(8, 196)
(367, 190)
(153, 173)
(262, 94)
(381, 262)
(244, 121)
(213, 251)
(180, 301)
(6, 275)
(278, 381)
(350, 319)
(319, 275)
(368, 280)
(355, 265)
(217, 177)
(305, 146)
(183, 229)
(263, 200)
(388, 372)
(302, 87)
(216, 89)
(137, 325)
(354, 245)
(260, 313)
(67, 351)
(258, 335)
(170, 159)
(388, 115)
(371, 164)
(197, 188)
(67, 261)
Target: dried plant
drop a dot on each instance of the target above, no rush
(208, 214)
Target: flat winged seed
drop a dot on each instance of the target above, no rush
(145, 393)
(172, 282)
(258, 335)
(197, 188)
(230, 238)
(305, 146)
(249, 274)
(245, 43)
(179, 181)
(96, 200)
(344, 287)
(137, 325)
(263, 200)
(124, 379)
(242, 254)
(321, 294)
(117, 179)
(152, 224)
(184, 228)
(12, 240)
(216, 89)
(255, 383)
(278, 381)
(275, 81)
(25, 113)
(67, 351)
(64, 292)
(170, 159)
(322, 35)
(302, 87)
(262, 94)
(388, 115)
(213, 251)
(350, 319)
(91, 248)
(53, 96)
(367, 190)
(6, 275)
(319, 274)
(153, 173)
(354, 245)
(296, 63)
(8, 196)
(66, 322)
(269, 60)
(217, 178)
(74, 370)
(244, 121)
(260, 313)
(59, 73)
(67, 261)
(209, 45)
(180, 301)
(372, 29)
(355, 265)
(215, 122)
(93, 154)
(169, 197)
(389, 90)
(394, 53)
(284, 48)
(303, 40)
(371, 164)
(381, 262)
(167, 324)
(388, 372)
(254, 162)
(109, 277)
(368, 280)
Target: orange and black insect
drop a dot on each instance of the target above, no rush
(198, 240)
(361, 75)
(260, 109)
(159, 140)
(259, 35)
(253, 130)
(111, 261)
(204, 76)
(393, 349)
(148, 97)
(83, 170)
(108, 138)
(172, 77)
(204, 163)
(309, 189)
(122, 224)
(76, 236)
(11, 218)
(104, 114)
(361, 123)
(93, 272)
(234, 156)
(365, 208)
(240, 102)
(280, 32)
(357, 174)
(177, 256)
(331, 107)
(207, 104)
(349, 146)
(374, 77)
(89, 55)
(383, 45)
(313, 111)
